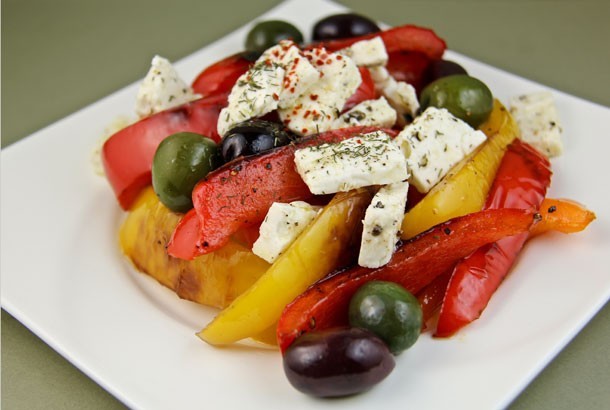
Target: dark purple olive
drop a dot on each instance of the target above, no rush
(253, 137)
(337, 362)
(343, 26)
(443, 68)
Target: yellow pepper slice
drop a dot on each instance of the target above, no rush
(214, 280)
(464, 189)
(315, 253)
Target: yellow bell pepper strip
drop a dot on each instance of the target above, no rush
(464, 189)
(213, 280)
(315, 253)
(267, 336)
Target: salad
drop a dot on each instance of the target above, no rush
(334, 198)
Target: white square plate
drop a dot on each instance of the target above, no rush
(64, 277)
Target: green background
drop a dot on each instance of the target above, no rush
(58, 56)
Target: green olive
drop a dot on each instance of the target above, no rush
(462, 95)
(389, 311)
(182, 160)
(268, 33)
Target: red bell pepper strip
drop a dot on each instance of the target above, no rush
(431, 296)
(402, 38)
(240, 193)
(414, 265)
(561, 215)
(221, 76)
(521, 182)
(410, 67)
(127, 155)
(365, 91)
(189, 232)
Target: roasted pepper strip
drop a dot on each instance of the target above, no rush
(415, 264)
(241, 192)
(221, 76)
(562, 215)
(402, 38)
(431, 296)
(464, 189)
(315, 253)
(212, 280)
(521, 182)
(127, 155)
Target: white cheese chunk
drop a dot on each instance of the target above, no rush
(368, 159)
(161, 89)
(538, 120)
(256, 93)
(376, 113)
(382, 222)
(368, 53)
(317, 109)
(401, 95)
(300, 74)
(282, 225)
(434, 143)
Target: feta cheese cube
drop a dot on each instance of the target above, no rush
(538, 120)
(161, 89)
(368, 53)
(300, 74)
(376, 113)
(282, 225)
(401, 95)
(368, 159)
(256, 93)
(317, 109)
(434, 143)
(382, 222)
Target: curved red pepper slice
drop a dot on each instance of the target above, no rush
(241, 192)
(365, 91)
(415, 264)
(127, 155)
(431, 296)
(401, 38)
(410, 67)
(521, 182)
(221, 76)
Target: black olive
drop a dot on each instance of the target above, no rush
(337, 362)
(250, 55)
(233, 146)
(253, 137)
(443, 68)
(266, 34)
(343, 26)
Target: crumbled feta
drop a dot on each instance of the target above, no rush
(368, 53)
(368, 159)
(282, 225)
(401, 95)
(382, 222)
(308, 88)
(256, 93)
(162, 88)
(538, 120)
(300, 74)
(434, 143)
(376, 113)
(317, 109)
